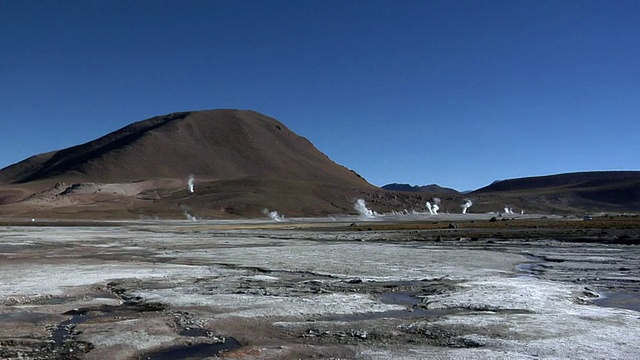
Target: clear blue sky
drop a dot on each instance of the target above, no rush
(458, 93)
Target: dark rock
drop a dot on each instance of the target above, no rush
(625, 240)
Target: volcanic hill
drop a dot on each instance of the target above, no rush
(218, 144)
(243, 161)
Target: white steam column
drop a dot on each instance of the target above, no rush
(467, 204)
(433, 208)
(436, 207)
(273, 215)
(187, 213)
(190, 183)
(361, 208)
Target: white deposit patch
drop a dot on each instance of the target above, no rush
(438, 353)
(381, 262)
(556, 328)
(258, 305)
(52, 279)
(508, 293)
(137, 339)
(261, 278)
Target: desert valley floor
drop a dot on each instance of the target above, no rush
(452, 286)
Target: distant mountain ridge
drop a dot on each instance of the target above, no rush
(594, 190)
(575, 179)
(432, 188)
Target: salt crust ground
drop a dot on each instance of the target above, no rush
(556, 327)
(37, 280)
(252, 306)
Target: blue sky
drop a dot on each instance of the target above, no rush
(458, 93)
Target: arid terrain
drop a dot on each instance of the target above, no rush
(223, 234)
(410, 286)
(242, 162)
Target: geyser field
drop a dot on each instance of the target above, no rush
(368, 287)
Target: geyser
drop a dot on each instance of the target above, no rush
(187, 213)
(273, 215)
(467, 204)
(361, 208)
(433, 208)
(436, 206)
(430, 208)
(190, 183)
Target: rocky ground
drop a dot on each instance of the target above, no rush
(460, 287)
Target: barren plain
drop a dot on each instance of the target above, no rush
(412, 287)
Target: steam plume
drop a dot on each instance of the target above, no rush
(433, 208)
(187, 213)
(273, 215)
(191, 182)
(436, 207)
(467, 204)
(361, 208)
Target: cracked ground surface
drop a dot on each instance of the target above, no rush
(253, 291)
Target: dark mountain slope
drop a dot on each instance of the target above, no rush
(433, 188)
(217, 144)
(604, 190)
(578, 179)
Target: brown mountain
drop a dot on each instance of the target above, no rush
(589, 191)
(242, 161)
(218, 144)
